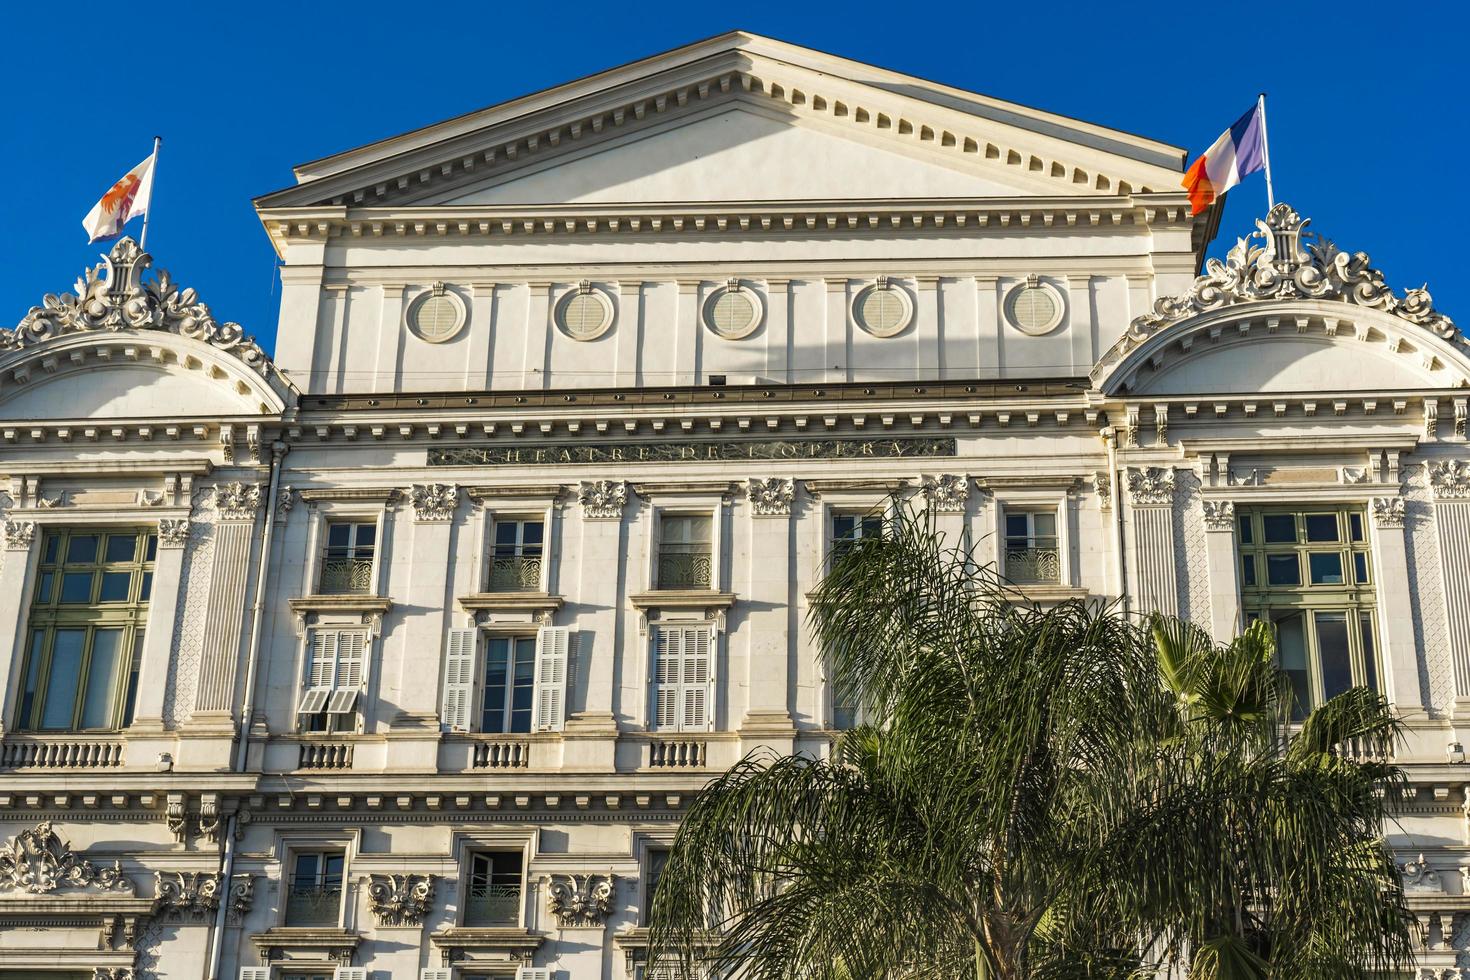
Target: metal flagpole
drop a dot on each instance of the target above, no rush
(1265, 151)
(153, 172)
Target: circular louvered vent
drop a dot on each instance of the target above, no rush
(585, 314)
(437, 316)
(733, 312)
(1034, 307)
(883, 309)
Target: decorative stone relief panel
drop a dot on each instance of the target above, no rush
(772, 497)
(433, 501)
(580, 901)
(1189, 536)
(189, 627)
(602, 500)
(1426, 593)
(400, 900)
(947, 493)
(39, 862)
(187, 895)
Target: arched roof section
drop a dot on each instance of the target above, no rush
(126, 344)
(1329, 319)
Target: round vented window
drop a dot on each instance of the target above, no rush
(585, 313)
(437, 315)
(733, 312)
(883, 309)
(1034, 307)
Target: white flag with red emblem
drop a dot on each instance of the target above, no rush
(127, 199)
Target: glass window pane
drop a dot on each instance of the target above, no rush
(1279, 528)
(1283, 570)
(872, 526)
(367, 534)
(842, 525)
(306, 869)
(1248, 570)
(52, 548)
(1325, 567)
(505, 532)
(1355, 526)
(1245, 529)
(1370, 653)
(497, 663)
(76, 587)
(152, 551)
(531, 532)
(1017, 526)
(1334, 652)
(122, 547)
(332, 865)
(33, 674)
(115, 586)
(61, 685)
(81, 549)
(1046, 524)
(338, 536)
(1291, 641)
(101, 673)
(1360, 567)
(146, 592)
(1321, 527)
(131, 698)
(44, 584)
(523, 689)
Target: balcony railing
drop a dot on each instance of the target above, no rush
(347, 576)
(324, 755)
(314, 905)
(516, 573)
(1033, 566)
(682, 570)
(493, 905)
(60, 752)
(676, 754)
(502, 753)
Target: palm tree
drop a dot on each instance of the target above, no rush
(1040, 793)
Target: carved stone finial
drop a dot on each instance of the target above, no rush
(771, 497)
(1450, 479)
(173, 532)
(114, 295)
(947, 493)
(602, 499)
(19, 535)
(580, 901)
(1152, 486)
(400, 900)
(433, 501)
(1219, 515)
(237, 501)
(39, 862)
(1388, 511)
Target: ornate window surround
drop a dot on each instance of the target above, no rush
(289, 842)
(1061, 501)
(489, 503)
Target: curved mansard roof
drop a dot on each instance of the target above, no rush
(1295, 284)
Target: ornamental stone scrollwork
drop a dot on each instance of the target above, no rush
(1419, 876)
(285, 500)
(947, 493)
(192, 895)
(1291, 264)
(237, 501)
(433, 501)
(19, 535)
(113, 973)
(1388, 511)
(39, 861)
(771, 497)
(242, 895)
(1151, 486)
(113, 295)
(1219, 515)
(602, 500)
(580, 901)
(173, 532)
(400, 900)
(1450, 479)
(1102, 485)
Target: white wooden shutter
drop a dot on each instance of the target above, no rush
(696, 692)
(459, 680)
(255, 973)
(553, 645)
(350, 973)
(433, 973)
(351, 654)
(320, 672)
(668, 648)
(684, 678)
(533, 973)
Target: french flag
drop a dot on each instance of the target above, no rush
(1240, 150)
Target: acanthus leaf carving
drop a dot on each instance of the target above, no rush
(400, 900)
(602, 499)
(1388, 511)
(1219, 515)
(19, 535)
(1151, 486)
(192, 895)
(1450, 479)
(433, 501)
(242, 894)
(947, 493)
(237, 501)
(39, 862)
(173, 532)
(114, 295)
(580, 901)
(1102, 485)
(771, 497)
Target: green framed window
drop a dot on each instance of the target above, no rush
(84, 634)
(1309, 572)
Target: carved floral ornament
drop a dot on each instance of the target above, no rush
(1388, 511)
(602, 499)
(1450, 479)
(194, 896)
(580, 901)
(19, 535)
(237, 501)
(40, 862)
(1151, 486)
(114, 295)
(400, 900)
(1219, 515)
(947, 493)
(771, 497)
(433, 501)
(1291, 264)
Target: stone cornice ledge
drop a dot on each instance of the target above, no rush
(682, 599)
(517, 942)
(510, 602)
(341, 603)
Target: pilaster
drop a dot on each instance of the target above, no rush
(390, 336)
(1221, 564)
(1390, 555)
(163, 610)
(1151, 504)
(219, 663)
(767, 616)
(589, 739)
(21, 540)
(1449, 480)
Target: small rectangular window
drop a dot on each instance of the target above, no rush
(1360, 568)
(516, 556)
(849, 529)
(1248, 570)
(1283, 570)
(315, 888)
(1370, 652)
(347, 562)
(653, 868)
(508, 691)
(494, 893)
(1246, 536)
(1355, 526)
(1031, 547)
(684, 552)
(1325, 567)
(1335, 653)
(1291, 650)
(1279, 528)
(1321, 527)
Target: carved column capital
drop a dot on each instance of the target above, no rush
(399, 900)
(947, 493)
(1151, 486)
(580, 901)
(433, 502)
(237, 501)
(1219, 515)
(602, 500)
(1450, 479)
(19, 535)
(173, 532)
(1388, 511)
(771, 497)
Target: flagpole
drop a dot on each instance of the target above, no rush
(1265, 151)
(153, 172)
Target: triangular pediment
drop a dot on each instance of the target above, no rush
(739, 118)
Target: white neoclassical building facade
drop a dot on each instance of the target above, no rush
(398, 654)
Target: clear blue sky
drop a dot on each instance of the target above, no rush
(1368, 105)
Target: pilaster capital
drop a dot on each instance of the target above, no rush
(1151, 486)
(1449, 479)
(433, 502)
(237, 501)
(1219, 515)
(771, 497)
(19, 535)
(173, 532)
(602, 500)
(1388, 511)
(947, 493)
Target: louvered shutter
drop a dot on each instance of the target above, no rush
(351, 653)
(320, 672)
(432, 973)
(553, 645)
(668, 648)
(695, 684)
(350, 973)
(533, 973)
(459, 679)
(255, 973)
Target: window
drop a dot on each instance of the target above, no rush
(494, 894)
(334, 680)
(683, 678)
(315, 898)
(515, 561)
(684, 557)
(654, 861)
(347, 565)
(847, 710)
(1031, 552)
(86, 629)
(509, 684)
(1308, 573)
(849, 529)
